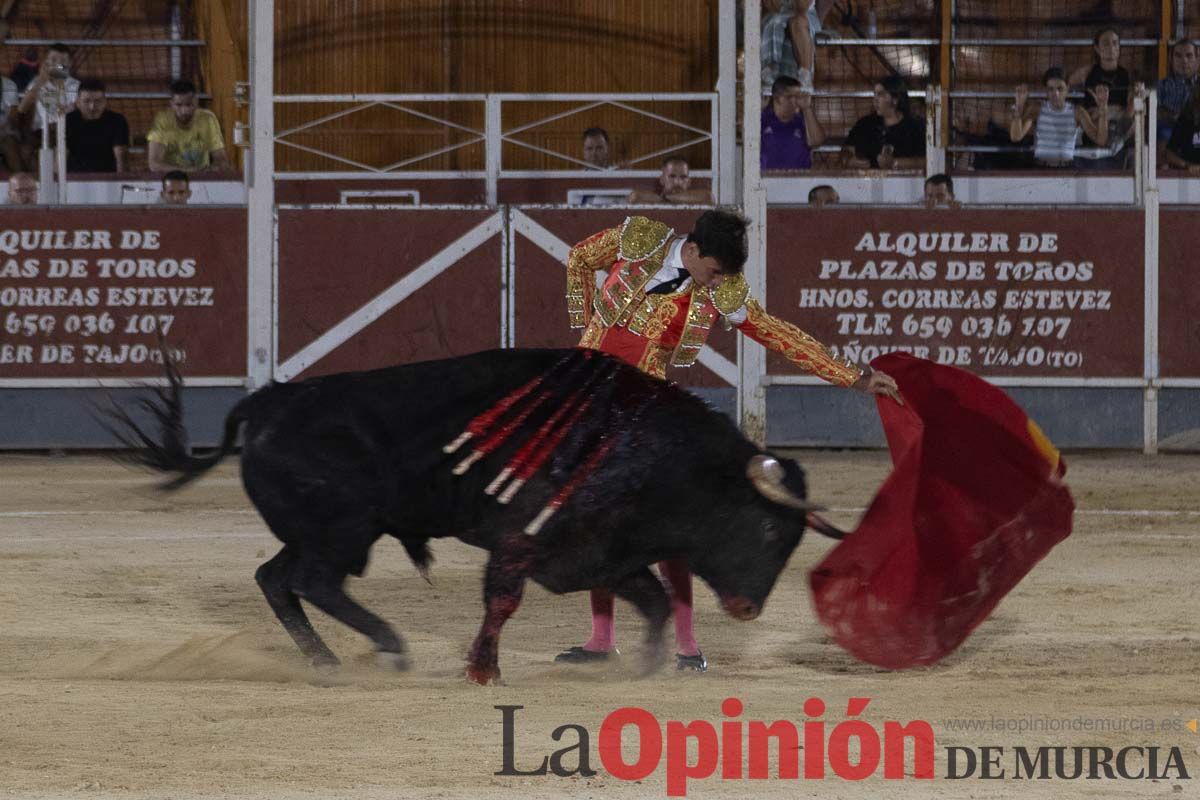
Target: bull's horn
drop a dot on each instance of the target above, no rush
(767, 476)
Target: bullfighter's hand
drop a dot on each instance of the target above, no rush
(882, 383)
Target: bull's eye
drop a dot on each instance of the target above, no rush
(770, 531)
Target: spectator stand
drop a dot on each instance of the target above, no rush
(1147, 397)
(856, 50)
(898, 186)
(132, 60)
(953, 47)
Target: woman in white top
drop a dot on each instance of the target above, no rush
(1058, 122)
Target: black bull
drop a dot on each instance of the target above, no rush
(619, 470)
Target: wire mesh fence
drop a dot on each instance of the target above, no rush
(855, 47)
(993, 46)
(1000, 45)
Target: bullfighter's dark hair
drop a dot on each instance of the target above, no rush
(721, 234)
(603, 134)
(182, 87)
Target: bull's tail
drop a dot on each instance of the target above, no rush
(170, 451)
(824, 526)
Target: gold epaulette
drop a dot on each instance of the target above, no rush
(731, 294)
(641, 237)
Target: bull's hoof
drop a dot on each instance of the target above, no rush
(325, 671)
(397, 662)
(483, 675)
(696, 663)
(325, 665)
(579, 655)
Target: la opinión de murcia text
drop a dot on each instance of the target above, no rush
(53, 312)
(980, 299)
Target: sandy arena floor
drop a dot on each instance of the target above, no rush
(138, 659)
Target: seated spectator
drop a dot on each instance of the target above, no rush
(1183, 150)
(939, 192)
(185, 137)
(52, 86)
(26, 69)
(823, 195)
(674, 186)
(789, 38)
(1105, 69)
(891, 138)
(789, 127)
(1056, 123)
(1175, 89)
(176, 188)
(97, 139)
(595, 148)
(10, 135)
(22, 189)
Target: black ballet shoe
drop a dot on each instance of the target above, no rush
(579, 655)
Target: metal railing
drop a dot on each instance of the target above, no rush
(106, 42)
(494, 134)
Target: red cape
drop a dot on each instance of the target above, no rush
(975, 499)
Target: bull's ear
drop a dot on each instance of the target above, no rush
(767, 474)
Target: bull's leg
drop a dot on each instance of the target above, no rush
(510, 564)
(321, 585)
(274, 578)
(646, 593)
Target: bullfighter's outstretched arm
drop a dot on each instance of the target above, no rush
(598, 251)
(794, 344)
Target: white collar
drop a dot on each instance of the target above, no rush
(674, 257)
(672, 263)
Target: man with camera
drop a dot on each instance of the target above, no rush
(53, 88)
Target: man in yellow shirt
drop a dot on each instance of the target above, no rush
(186, 138)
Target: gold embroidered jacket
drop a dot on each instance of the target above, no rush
(654, 330)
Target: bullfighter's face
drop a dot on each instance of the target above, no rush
(705, 270)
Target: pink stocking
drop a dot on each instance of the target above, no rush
(603, 633)
(680, 580)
